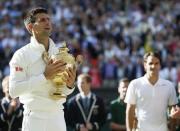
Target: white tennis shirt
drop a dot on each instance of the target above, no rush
(27, 80)
(151, 102)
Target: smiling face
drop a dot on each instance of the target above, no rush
(42, 25)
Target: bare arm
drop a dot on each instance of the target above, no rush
(116, 126)
(130, 116)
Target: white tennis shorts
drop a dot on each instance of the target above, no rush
(43, 121)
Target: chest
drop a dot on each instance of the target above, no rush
(150, 94)
(36, 67)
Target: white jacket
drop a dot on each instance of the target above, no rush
(27, 80)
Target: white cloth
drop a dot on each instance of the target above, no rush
(151, 102)
(43, 121)
(28, 82)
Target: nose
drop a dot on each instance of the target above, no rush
(48, 22)
(153, 66)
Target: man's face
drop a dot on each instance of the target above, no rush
(6, 90)
(42, 25)
(152, 65)
(122, 89)
(83, 85)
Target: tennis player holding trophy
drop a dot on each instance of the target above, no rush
(35, 75)
(59, 79)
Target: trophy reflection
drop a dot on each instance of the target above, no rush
(58, 79)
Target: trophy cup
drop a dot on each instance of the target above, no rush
(58, 79)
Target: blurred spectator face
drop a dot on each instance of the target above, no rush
(122, 89)
(5, 86)
(83, 85)
(152, 65)
(42, 25)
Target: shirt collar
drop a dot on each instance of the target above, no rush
(120, 100)
(36, 45)
(83, 96)
(148, 82)
(37, 48)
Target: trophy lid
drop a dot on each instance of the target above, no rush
(63, 47)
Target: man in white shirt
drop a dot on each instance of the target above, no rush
(30, 76)
(151, 96)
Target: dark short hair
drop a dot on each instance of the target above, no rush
(125, 79)
(30, 16)
(155, 54)
(86, 76)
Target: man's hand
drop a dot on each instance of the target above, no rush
(70, 76)
(52, 68)
(175, 112)
(12, 106)
(89, 126)
(83, 128)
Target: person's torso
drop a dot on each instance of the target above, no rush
(118, 111)
(12, 122)
(35, 65)
(152, 102)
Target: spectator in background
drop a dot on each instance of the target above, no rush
(85, 111)
(134, 70)
(151, 96)
(118, 108)
(11, 110)
(109, 72)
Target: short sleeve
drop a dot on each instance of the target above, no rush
(130, 95)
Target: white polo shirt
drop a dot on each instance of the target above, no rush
(27, 80)
(151, 102)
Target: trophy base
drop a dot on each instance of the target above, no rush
(57, 96)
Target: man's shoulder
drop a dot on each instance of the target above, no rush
(137, 80)
(72, 99)
(98, 99)
(114, 102)
(22, 51)
(94, 96)
(165, 81)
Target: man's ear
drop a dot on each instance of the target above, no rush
(29, 27)
(144, 66)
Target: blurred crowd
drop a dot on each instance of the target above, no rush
(112, 35)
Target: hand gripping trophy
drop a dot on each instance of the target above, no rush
(58, 79)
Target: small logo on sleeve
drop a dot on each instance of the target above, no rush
(18, 68)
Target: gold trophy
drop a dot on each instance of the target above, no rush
(58, 79)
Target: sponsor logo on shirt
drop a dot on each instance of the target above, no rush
(18, 68)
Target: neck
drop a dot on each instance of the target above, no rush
(121, 99)
(86, 93)
(44, 41)
(152, 78)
